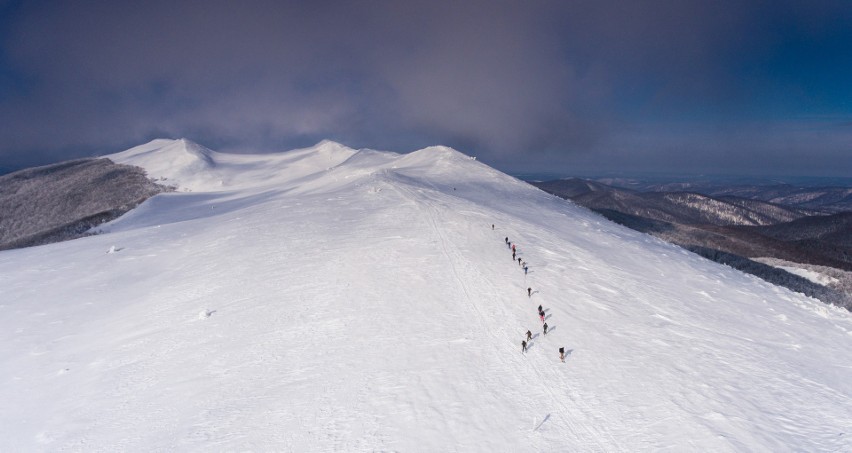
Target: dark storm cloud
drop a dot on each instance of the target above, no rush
(525, 85)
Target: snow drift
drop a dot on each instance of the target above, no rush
(328, 299)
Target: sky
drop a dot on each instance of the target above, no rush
(723, 87)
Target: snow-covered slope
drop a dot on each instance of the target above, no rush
(193, 167)
(328, 299)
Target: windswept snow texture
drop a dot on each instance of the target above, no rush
(328, 299)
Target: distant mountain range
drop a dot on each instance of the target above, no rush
(836, 199)
(833, 229)
(676, 207)
(810, 226)
(828, 199)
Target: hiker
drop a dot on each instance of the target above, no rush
(523, 346)
(541, 315)
(540, 309)
(529, 292)
(545, 329)
(513, 247)
(526, 269)
(492, 226)
(529, 335)
(513, 255)
(519, 261)
(562, 354)
(507, 240)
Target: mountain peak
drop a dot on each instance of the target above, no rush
(182, 161)
(442, 150)
(332, 147)
(326, 143)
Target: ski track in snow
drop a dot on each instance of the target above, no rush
(332, 300)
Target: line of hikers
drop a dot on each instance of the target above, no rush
(541, 313)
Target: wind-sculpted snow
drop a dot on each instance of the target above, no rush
(360, 301)
(195, 168)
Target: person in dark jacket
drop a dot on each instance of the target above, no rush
(529, 335)
(523, 346)
(529, 292)
(545, 329)
(562, 354)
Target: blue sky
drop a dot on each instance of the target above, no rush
(726, 87)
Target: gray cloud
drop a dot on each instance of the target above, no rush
(524, 85)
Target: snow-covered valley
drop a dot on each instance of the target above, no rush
(328, 299)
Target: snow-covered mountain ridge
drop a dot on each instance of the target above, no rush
(196, 168)
(328, 299)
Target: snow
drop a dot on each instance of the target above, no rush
(195, 168)
(328, 299)
(813, 276)
(822, 275)
(809, 272)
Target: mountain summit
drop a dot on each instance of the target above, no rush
(330, 299)
(195, 168)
